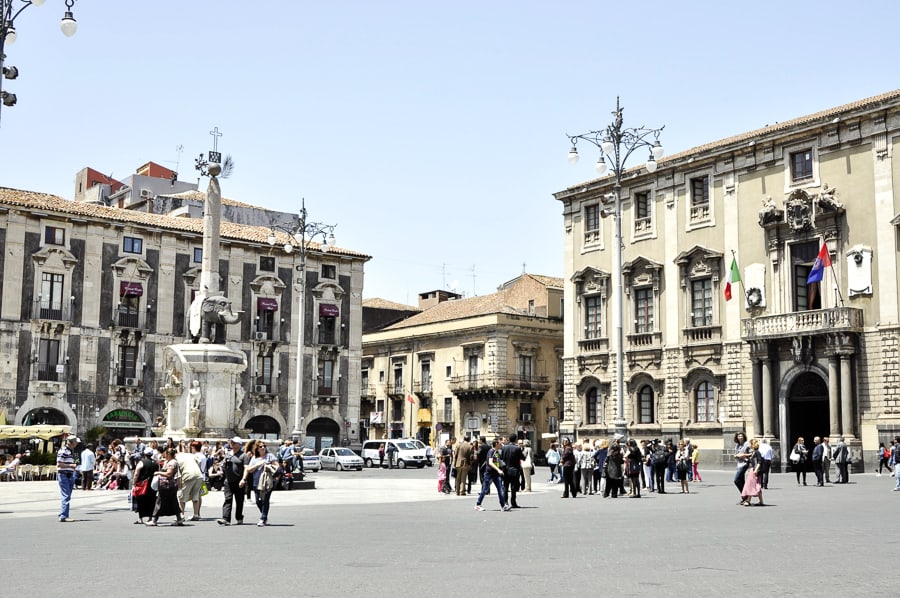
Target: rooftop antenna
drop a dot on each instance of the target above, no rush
(179, 149)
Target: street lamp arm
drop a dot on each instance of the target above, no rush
(299, 235)
(621, 142)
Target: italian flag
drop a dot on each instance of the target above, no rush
(733, 276)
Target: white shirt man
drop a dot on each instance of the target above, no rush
(86, 467)
(766, 453)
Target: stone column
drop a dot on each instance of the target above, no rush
(846, 398)
(762, 386)
(768, 400)
(834, 414)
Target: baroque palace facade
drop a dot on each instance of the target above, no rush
(487, 365)
(782, 358)
(93, 293)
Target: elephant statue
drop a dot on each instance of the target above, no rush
(215, 313)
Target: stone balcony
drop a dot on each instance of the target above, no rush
(803, 323)
(498, 384)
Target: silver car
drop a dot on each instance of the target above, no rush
(340, 458)
(311, 460)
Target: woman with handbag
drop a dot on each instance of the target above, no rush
(682, 465)
(143, 498)
(752, 487)
(614, 462)
(263, 467)
(633, 464)
(167, 493)
(799, 457)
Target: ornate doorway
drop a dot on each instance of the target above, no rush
(807, 413)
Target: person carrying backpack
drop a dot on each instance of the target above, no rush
(659, 460)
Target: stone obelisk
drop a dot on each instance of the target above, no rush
(202, 389)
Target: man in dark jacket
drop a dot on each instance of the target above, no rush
(818, 455)
(483, 451)
(513, 456)
(234, 471)
(659, 461)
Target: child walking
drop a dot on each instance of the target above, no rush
(442, 475)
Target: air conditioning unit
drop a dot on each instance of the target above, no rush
(146, 194)
(527, 417)
(131, 381)
(262, 336)
(262, 388)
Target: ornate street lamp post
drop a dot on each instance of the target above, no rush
(616, 145)
(298, 236)
(9, 11)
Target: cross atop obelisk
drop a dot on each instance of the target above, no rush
(214, 155)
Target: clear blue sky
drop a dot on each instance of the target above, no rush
(432, 133)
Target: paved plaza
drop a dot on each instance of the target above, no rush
(389, 533)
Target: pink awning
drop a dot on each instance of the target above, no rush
(135, 289)
(328, 310)
(266, 304)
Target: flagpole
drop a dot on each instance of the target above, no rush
(837, 284)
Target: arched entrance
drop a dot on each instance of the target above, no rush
(807, 409)
(124, 422)
(45, 416)
(322, 433)
(263, 426)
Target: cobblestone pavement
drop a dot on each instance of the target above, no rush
(381, 533)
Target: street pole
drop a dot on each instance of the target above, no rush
(298, 394)
(298, 237)
(616, 144)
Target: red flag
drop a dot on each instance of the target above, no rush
(410, 398)
(823, 260)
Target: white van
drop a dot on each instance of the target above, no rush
(407, 455)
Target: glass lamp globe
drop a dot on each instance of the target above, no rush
(68, 25)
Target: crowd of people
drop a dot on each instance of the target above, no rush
(626, 467)
(622, 467)
(611, 468)
(164, 476)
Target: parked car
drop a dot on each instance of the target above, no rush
(429, 452)
(407, 453)
(340, 458)
(311, 460)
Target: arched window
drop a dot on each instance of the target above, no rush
(645, 405)
(593, 407)
(706, 402)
